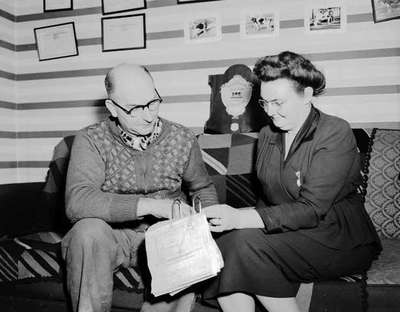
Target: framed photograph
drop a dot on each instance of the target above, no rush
(330, 17)
(57, 5)
(56, 41)
(203, 29)
(123, 32)
(193, 1)
(117, 6)
(384, 10)
(254, 24)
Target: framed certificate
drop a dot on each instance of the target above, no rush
(56, 41)
(116, 6)
(193, 1)
(57, 5)
(123, 32)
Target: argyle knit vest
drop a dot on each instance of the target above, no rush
(156, 171)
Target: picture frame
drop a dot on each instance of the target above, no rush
(202, 28)
(193, 1)
(259, 23)
(385, 10)
(57, 5)
(118, 6)
(126, 32)
(56, 41)
(330, 16)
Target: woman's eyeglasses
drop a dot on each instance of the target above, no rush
(265, 104)
(137, 109)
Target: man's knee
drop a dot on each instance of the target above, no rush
(86, 233)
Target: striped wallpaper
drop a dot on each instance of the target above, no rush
(41, 102)
(8, 112)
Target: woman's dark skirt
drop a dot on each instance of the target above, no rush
(274, 265)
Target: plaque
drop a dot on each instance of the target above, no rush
(233, 102)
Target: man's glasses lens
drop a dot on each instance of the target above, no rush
(151, 106)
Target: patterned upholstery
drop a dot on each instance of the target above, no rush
(383, 190)
(37, 257)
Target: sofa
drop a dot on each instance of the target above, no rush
(33, 223)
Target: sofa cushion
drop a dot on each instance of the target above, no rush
(383, 190)
(229, 159)
(37, 257)
(386, 269)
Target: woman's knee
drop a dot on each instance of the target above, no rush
(239, 239)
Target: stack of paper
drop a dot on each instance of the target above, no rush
(181, 253)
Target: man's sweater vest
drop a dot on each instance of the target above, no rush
(157, 171)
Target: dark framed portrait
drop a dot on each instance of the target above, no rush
(193, 1)
(123, 32)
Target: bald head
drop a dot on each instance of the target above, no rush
(127, 77)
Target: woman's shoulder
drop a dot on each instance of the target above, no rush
(333, 130)
(330, 124)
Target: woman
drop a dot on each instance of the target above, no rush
(310, 223)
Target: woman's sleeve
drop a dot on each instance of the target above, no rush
(328, 172)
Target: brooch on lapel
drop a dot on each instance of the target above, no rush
(298, 181)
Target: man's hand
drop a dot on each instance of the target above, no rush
(161, 208)
(222, 217)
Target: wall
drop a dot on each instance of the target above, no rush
(57, 97)
(8, 125)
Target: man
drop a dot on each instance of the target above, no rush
(123, 174)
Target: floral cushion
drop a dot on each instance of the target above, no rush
(383, 191)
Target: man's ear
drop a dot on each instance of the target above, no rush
(111, 108)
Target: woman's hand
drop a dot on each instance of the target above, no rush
(222, 217)
(225, 218)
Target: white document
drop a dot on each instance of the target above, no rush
(181, 253)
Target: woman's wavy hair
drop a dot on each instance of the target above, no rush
(291, 66)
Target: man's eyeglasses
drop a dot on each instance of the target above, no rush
(137, 109)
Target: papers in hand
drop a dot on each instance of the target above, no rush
(181, 253)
